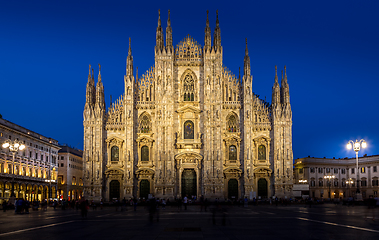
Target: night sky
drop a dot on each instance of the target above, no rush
(330, 49)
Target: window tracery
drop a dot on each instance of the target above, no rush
(188, 130)
(261, 152)
(232, 152)
(188, 88)
(144, 124)
(145, 154)
(232, 124)
(114, 153)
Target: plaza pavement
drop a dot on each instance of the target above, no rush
(325, 221)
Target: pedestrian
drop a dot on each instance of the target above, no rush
(84, 206)
(185, 201)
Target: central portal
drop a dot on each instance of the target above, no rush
(189, 185)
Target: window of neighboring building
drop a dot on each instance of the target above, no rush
(343, 171)
(364, 183)
(30, 154)
(335, 170)
(327, 170)
(62, 158)
(60, 179)
(73, 180)
(352, 170)
(62, 164)
(313, 183)
(36, 156)
(374, 169)
(312, 169)
(375, 182)
(363, 169)
(336, 183)
(320, 170)
(320, 183)
(301, 170)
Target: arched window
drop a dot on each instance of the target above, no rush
(114, 153)
(232, 124)
(188, 130)
(261, 152)
(145, 124)
(145, 154)
(188, 88)
(232, 152)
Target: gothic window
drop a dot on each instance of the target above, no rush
(145, 154)
(145, 124)
(261, 152)
(232, 152)
(189, 88)
(188, 130)
(232, 123)
(114, 153)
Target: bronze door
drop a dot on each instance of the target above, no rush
(189, 183)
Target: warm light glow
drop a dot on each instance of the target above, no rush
(348, 146)
(16, 145)
(364, 144)
(22, 147)
(356, 145)
(5, 145)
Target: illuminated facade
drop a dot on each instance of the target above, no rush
(70, 173)
(342, 176)
(188, 126)
(34, 167)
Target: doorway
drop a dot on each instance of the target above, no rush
(189, 183)
(114, 190)
(262, 188)
(144, 189)
(233, 189)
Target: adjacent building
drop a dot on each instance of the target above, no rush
(337, 178)
(35, 168)
(70, 173)
(188, 126)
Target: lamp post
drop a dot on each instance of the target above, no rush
(329, 182)
(349, 182)
(357, 146)
(14, 147)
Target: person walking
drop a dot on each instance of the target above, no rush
(4, 206)
(185, 201)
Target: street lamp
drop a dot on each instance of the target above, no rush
(349, 182)
(357, 146)
(14, 147)
(329, 182)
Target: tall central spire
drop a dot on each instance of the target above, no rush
(217, 34)
(129, 61)
(169, 33)
(159, 38)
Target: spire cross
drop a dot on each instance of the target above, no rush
(99, 68)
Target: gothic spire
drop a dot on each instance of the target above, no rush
(159, 38)
(247, 68)
(100, 101)
(217, 34)
(129, 61)
(169, 32)
(276, 89)
(284, 89)
(208, 38)
(90, 93)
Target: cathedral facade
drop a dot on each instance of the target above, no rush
(188, 126)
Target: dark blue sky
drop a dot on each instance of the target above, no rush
(330, 49)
